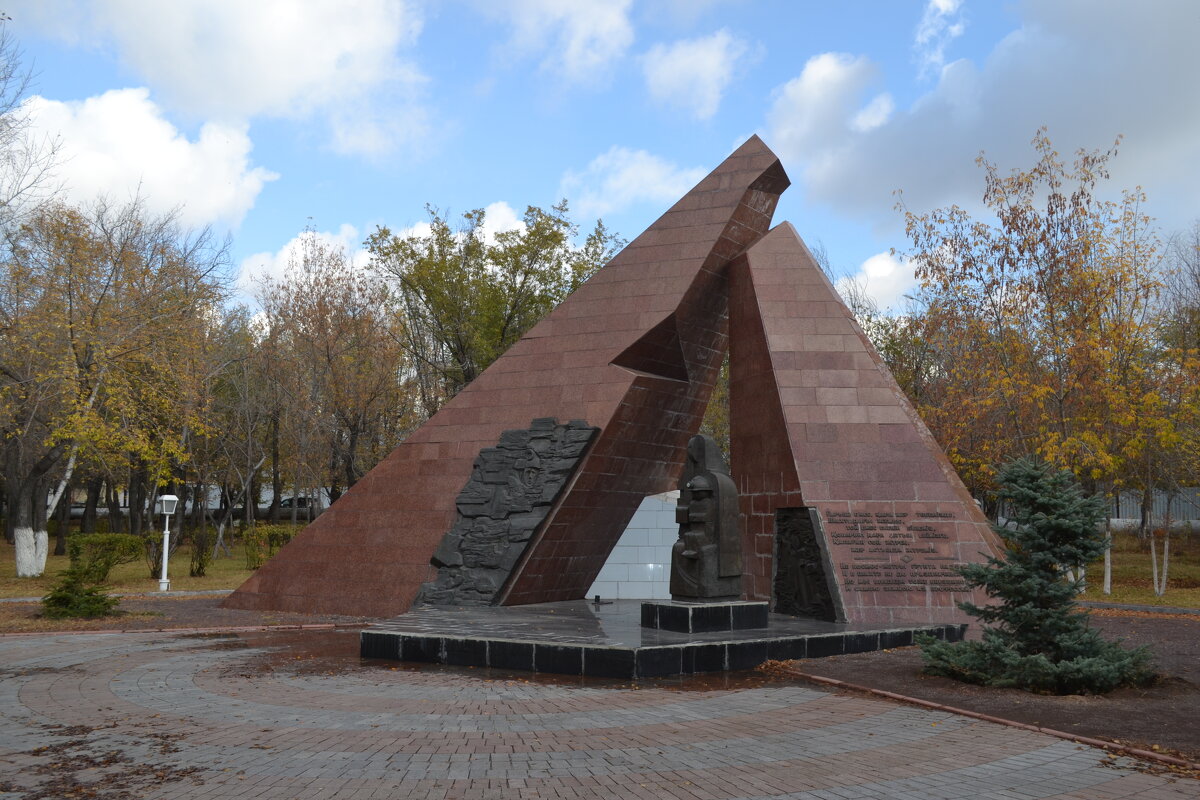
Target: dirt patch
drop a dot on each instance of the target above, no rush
(1160, 717)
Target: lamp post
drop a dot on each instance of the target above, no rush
(166, 504)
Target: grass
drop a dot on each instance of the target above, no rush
(224, 572)
(1131, 581)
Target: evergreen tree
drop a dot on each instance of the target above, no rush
(1035, 637)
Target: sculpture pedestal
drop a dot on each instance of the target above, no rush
(704, 617)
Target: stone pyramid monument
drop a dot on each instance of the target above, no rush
(517, 489)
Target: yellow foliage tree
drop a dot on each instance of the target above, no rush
(97, 308)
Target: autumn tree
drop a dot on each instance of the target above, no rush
(1044, 317)
(467, 296)
(336, 327)
(96, 307)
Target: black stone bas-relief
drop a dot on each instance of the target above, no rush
(801, 587)
(509, 494)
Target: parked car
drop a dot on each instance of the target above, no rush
(305, 509)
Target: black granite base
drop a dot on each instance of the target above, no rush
(580, 638)
(685, 617)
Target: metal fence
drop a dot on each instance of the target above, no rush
(1180, 506)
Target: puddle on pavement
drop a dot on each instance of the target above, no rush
(334, 652)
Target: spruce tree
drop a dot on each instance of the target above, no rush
(1034, 636)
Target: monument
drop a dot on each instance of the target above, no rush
(847, 510)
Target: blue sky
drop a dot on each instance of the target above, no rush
(260, 117)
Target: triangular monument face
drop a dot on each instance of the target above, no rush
(849, 506)
(633, 352)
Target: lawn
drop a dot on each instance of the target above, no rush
(1132, 571)
(224, 572)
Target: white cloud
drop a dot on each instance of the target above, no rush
(941, 23)
(621, 177)
(233, 60)
(254, 269)
(1087, 75)
(874, 113)
(814, 111)
(693, 74)
(884, 278)
(257, 268)
(118, 144)
(580, 38)
(498, 218)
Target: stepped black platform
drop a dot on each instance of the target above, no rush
(582, 638)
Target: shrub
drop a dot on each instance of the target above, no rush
(75, 596)
(93, 555)
(263, 541)
(1037, 639)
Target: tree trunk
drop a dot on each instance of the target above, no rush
(88, 523)
(1153, 563)
(112, 499)
(64, 522)
(276, 475)
(1161, 589)
(28, 509)
(137, 499)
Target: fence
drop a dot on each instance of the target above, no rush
(1183, 505)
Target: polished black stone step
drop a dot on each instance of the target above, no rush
(685, 617)
(581, 638)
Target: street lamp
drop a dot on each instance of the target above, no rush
(166, 506)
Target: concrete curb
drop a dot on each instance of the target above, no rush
(1191, 612)
(195, 593)
(316, 626)
(1104, 744)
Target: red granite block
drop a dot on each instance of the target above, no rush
(857, 445)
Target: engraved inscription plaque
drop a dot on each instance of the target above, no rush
(894, 551)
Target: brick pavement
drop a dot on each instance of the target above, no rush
(297, 715)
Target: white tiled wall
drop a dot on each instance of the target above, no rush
(639, 566)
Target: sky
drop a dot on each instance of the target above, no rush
(261, 118)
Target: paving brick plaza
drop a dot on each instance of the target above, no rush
(298, 715)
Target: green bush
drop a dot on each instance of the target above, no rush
(75, 596)
(93, 555)
(1037, 639)
(263, 541)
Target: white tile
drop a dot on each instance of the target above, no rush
(649, 555)
(614, 572)
(635, 538)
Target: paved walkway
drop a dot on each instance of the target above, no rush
(297, 715)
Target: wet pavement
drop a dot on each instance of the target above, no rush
(299, 715)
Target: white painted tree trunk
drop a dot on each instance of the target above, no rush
(1108, 568)
(32, 548)
(1161, 588)
(1153, 563)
